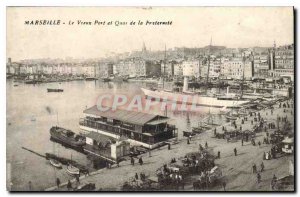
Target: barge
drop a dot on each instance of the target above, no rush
(67, 137)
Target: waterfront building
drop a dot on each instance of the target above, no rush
(281, 61)
(178, 71)
(214, 68)
(191, 68)
(124, 68)
(76, 70)
(261, 70)
(237, 69)
(283, 73)
(88, 70)
(105, 70)
(141, 129)
(96, 144)
(168, 68)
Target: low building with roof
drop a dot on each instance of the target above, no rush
(106, 147)
(140, 129)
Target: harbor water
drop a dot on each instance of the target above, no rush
(32, 111)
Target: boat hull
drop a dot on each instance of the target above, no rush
(55, 90)
(69, 141)
(55, 163)
(197, 100)
(71, 170)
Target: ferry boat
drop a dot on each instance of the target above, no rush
(140, 129)
(200, 100)
(67, 137)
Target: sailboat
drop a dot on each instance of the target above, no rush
(196, 98)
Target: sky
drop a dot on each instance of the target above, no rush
(191, 27)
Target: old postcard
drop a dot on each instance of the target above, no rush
(150, 99)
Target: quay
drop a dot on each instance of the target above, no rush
(237, 170)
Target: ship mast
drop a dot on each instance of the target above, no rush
(165, 61)
(242, 88)
(208, 66)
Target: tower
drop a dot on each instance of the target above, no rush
(144, 49)
(272, 57)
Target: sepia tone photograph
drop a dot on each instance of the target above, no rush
(150, 99)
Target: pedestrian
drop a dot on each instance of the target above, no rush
(254, 169)
(242, 142)
(235, 152)
(215, 132)
(136, 176)
(87, 172)
(132, 161)
(206, 145)
(188, 141)
(141, 161)
(69, 185)
(262, 166)
(200, 148)
(57, 182)
(77, 179)
(224, 185)
(118, 163)
(259, 143)
(219, 154)
(273, 182)
(30, 185)
(258, 178)
(169, 146)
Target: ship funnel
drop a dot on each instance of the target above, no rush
(185, 84)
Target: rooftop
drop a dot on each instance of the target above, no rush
(137, 118)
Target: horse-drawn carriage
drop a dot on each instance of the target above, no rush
(208, 178)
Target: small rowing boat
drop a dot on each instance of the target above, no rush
(55, 163)
(54, 90)
(72, 170)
